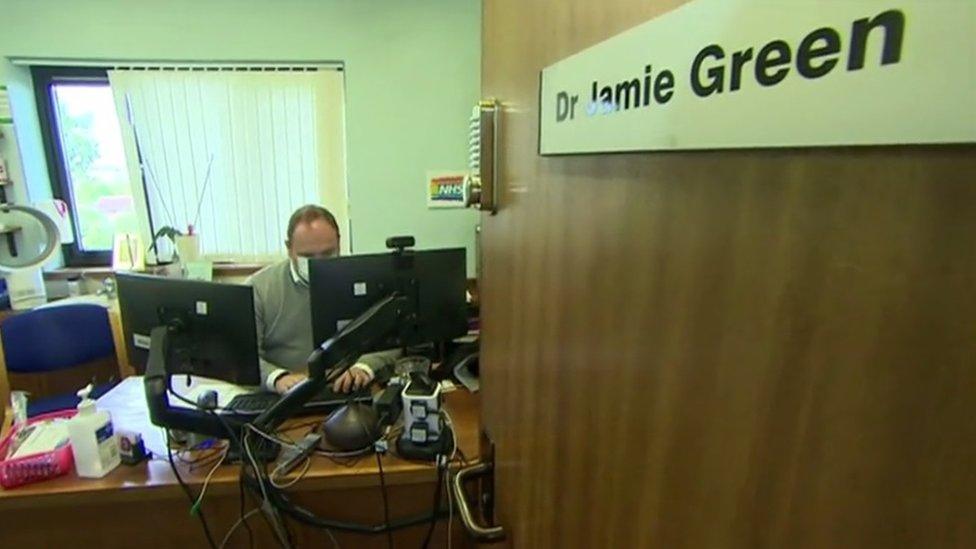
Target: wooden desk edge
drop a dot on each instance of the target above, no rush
(223, 486)
(225, 481)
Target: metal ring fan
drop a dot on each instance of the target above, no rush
(21, 265)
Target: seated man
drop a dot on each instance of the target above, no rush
(284, 317)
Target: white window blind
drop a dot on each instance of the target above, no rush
(232, 153)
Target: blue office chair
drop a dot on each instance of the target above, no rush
(54, 339)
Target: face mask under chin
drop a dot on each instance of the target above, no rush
(301, 264)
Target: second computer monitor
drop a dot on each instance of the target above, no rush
(212, 327)
(433, 280)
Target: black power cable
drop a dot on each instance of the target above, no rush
(188, 492)
(282, 502)
(386, 503)
(240, 492)
(277, 525)
(234, 440)
(437, 503)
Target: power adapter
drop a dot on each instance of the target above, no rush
(388, 404)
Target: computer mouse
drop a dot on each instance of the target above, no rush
(352, 427)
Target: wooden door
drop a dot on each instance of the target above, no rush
(764, 348)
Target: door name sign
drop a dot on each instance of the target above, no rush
(719, 74)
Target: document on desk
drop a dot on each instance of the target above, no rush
(126, 402)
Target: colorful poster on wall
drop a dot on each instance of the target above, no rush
(445, 189)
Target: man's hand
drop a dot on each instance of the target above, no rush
(352, 379)
(287, 381)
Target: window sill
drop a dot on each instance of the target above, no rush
(219, 270)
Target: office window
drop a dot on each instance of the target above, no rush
(230, 152)
(86, 159)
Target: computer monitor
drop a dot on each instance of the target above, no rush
(213, 332)
(434, 281)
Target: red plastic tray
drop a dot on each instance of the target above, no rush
(36, 467)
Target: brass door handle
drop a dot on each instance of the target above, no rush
(477, 531)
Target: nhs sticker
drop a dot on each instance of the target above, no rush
(446, 189)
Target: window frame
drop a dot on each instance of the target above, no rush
(44, 78)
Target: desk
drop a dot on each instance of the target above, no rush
(144, 505)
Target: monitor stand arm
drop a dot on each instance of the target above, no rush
(325, 365)
(157, 382)
(389, 316)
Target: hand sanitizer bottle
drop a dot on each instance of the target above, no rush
(93, 441)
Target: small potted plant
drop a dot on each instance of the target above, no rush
(165, 232)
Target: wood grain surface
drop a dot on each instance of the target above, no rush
(757, 348)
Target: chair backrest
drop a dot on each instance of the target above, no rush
(56, 338)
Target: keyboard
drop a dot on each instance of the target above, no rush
(325, 402)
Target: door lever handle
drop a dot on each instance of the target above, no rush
(479, 532)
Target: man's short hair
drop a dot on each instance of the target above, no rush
(307, 214)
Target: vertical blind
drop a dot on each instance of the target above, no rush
(232, 153)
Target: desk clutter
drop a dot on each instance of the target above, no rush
(344, 485)
(271, 461)
(86, 440)
(47, 446)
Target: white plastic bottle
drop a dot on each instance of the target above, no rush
(93, 441)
